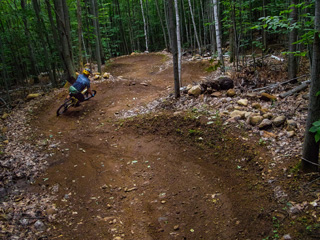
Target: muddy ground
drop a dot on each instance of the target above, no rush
(156, 176)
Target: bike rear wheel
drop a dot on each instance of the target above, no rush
(64, 107)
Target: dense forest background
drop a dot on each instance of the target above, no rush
(57, 37)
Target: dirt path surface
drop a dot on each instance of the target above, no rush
(149, 177)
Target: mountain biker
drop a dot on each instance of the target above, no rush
(81, 83)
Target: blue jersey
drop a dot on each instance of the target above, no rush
(81, 83)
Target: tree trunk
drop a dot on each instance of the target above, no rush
(3, 72)
(144, 27)
(173, 34)
(311, 147)
(42, 31)
(218, 35)
(79, 34)
(64, 39)
(97, 41)
(30, 48)
(195, 28)
(293, 61)
(178, 40)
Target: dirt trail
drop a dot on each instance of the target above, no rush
(131, 181)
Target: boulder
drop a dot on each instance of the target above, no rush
(255, 120)
(195, 90)
(268, 97)
(96, 77)
(225, 83)
(243, 102)
(33, 96)
(231, 93)
(278, 121)
(265, 124)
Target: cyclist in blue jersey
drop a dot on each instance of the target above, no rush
(81, 83)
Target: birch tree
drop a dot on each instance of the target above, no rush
(218, 35)
(178, 40)
(144, 27)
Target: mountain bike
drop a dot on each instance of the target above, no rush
(73, 101)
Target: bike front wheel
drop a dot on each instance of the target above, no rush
(64, 107)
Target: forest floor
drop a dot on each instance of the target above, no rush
(133, 163)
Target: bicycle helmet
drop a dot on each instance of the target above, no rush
(86, 72)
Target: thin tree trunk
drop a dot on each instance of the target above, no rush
(195, 28)
(79, 34)
(95, 29)
(293, 61)
(218, 35)
(64, 39)
(144, 27)
(311, 147)
(31, 51)
(174, 46)
(178, 40)
(41, 32)
(162, 26)
(3, 72)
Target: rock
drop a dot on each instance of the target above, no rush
(269, 134)
(268, 116)
(290, 134)
(225, 83)
(286, 237)
(118, 238)
(5, 116)
(3, 192)
(243, 102)
(216, 94)
(305, 96)
(237, 113)
(96, 77)
(50, 211)
(32, 96)
(39, 225)
(176, 227)
(195, 90)
(265, 124)
(291, 125)
(213, 85)
(255, 120)
(278, 121)
(268, 97)
(264, 110)
(256, 105)
(144, 84)
(251, 95)
(106, 75)
(231, 93)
